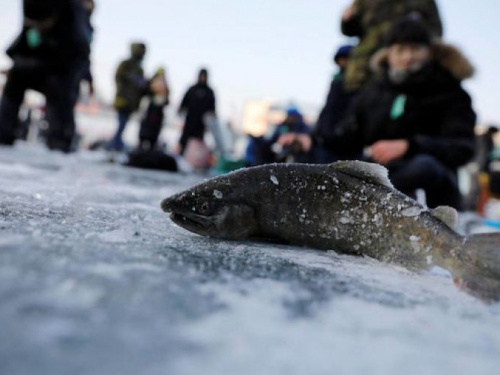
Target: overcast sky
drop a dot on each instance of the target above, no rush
(259, 49)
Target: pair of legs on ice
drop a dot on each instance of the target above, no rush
(59, 88)
(149, 131)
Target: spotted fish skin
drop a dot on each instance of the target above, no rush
(350, 207)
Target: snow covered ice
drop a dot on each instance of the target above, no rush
(95, 279)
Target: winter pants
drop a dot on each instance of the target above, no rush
(57, 88)
(116, 142)
(151, 126)
(194, 127)
(425, 172)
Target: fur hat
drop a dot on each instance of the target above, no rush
(448, 56)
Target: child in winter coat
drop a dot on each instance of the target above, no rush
(152, 122)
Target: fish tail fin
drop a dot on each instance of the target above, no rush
(478, 272)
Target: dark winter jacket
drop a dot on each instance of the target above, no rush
(64, 44)
(336, 106)
(430, 110)
(152, 122)
(371, 21)
(197, 101)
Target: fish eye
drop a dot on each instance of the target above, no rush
(204, 208)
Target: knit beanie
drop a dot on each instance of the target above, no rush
(41, 9)
(343, 51)
(408, 30)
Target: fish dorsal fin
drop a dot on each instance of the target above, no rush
(447, 215)
(369, 172)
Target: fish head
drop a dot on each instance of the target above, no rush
(215, 209)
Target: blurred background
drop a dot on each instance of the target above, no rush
(277, 52)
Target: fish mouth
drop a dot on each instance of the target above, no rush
(194, 223)
(191, 221)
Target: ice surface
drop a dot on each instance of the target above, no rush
(95, 279)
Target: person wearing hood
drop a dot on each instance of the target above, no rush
(131, 87)
(265, 150)
(416, 119)
(198, 101)
(294, 123)
(370, 20)
(47, 56)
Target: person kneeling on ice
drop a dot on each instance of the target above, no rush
(416, 119)
(264, 150)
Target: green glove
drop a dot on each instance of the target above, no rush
(33, 38)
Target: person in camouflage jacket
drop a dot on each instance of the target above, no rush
(131, 87)
(369, 20)
(130, 81)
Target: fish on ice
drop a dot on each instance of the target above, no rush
(350, 207)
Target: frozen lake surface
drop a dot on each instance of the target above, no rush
(95, 279)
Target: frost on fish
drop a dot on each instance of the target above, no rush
(369, 172)
(346, 197)
(415, 243)
(412, 211)
(274, 180)
(345, 220)
(377, 219)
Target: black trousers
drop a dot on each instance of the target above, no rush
(151, 126)
(58, 88)
(426, 172)
(194, 127)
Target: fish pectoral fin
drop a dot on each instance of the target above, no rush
(447, 215)
(369, 172)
